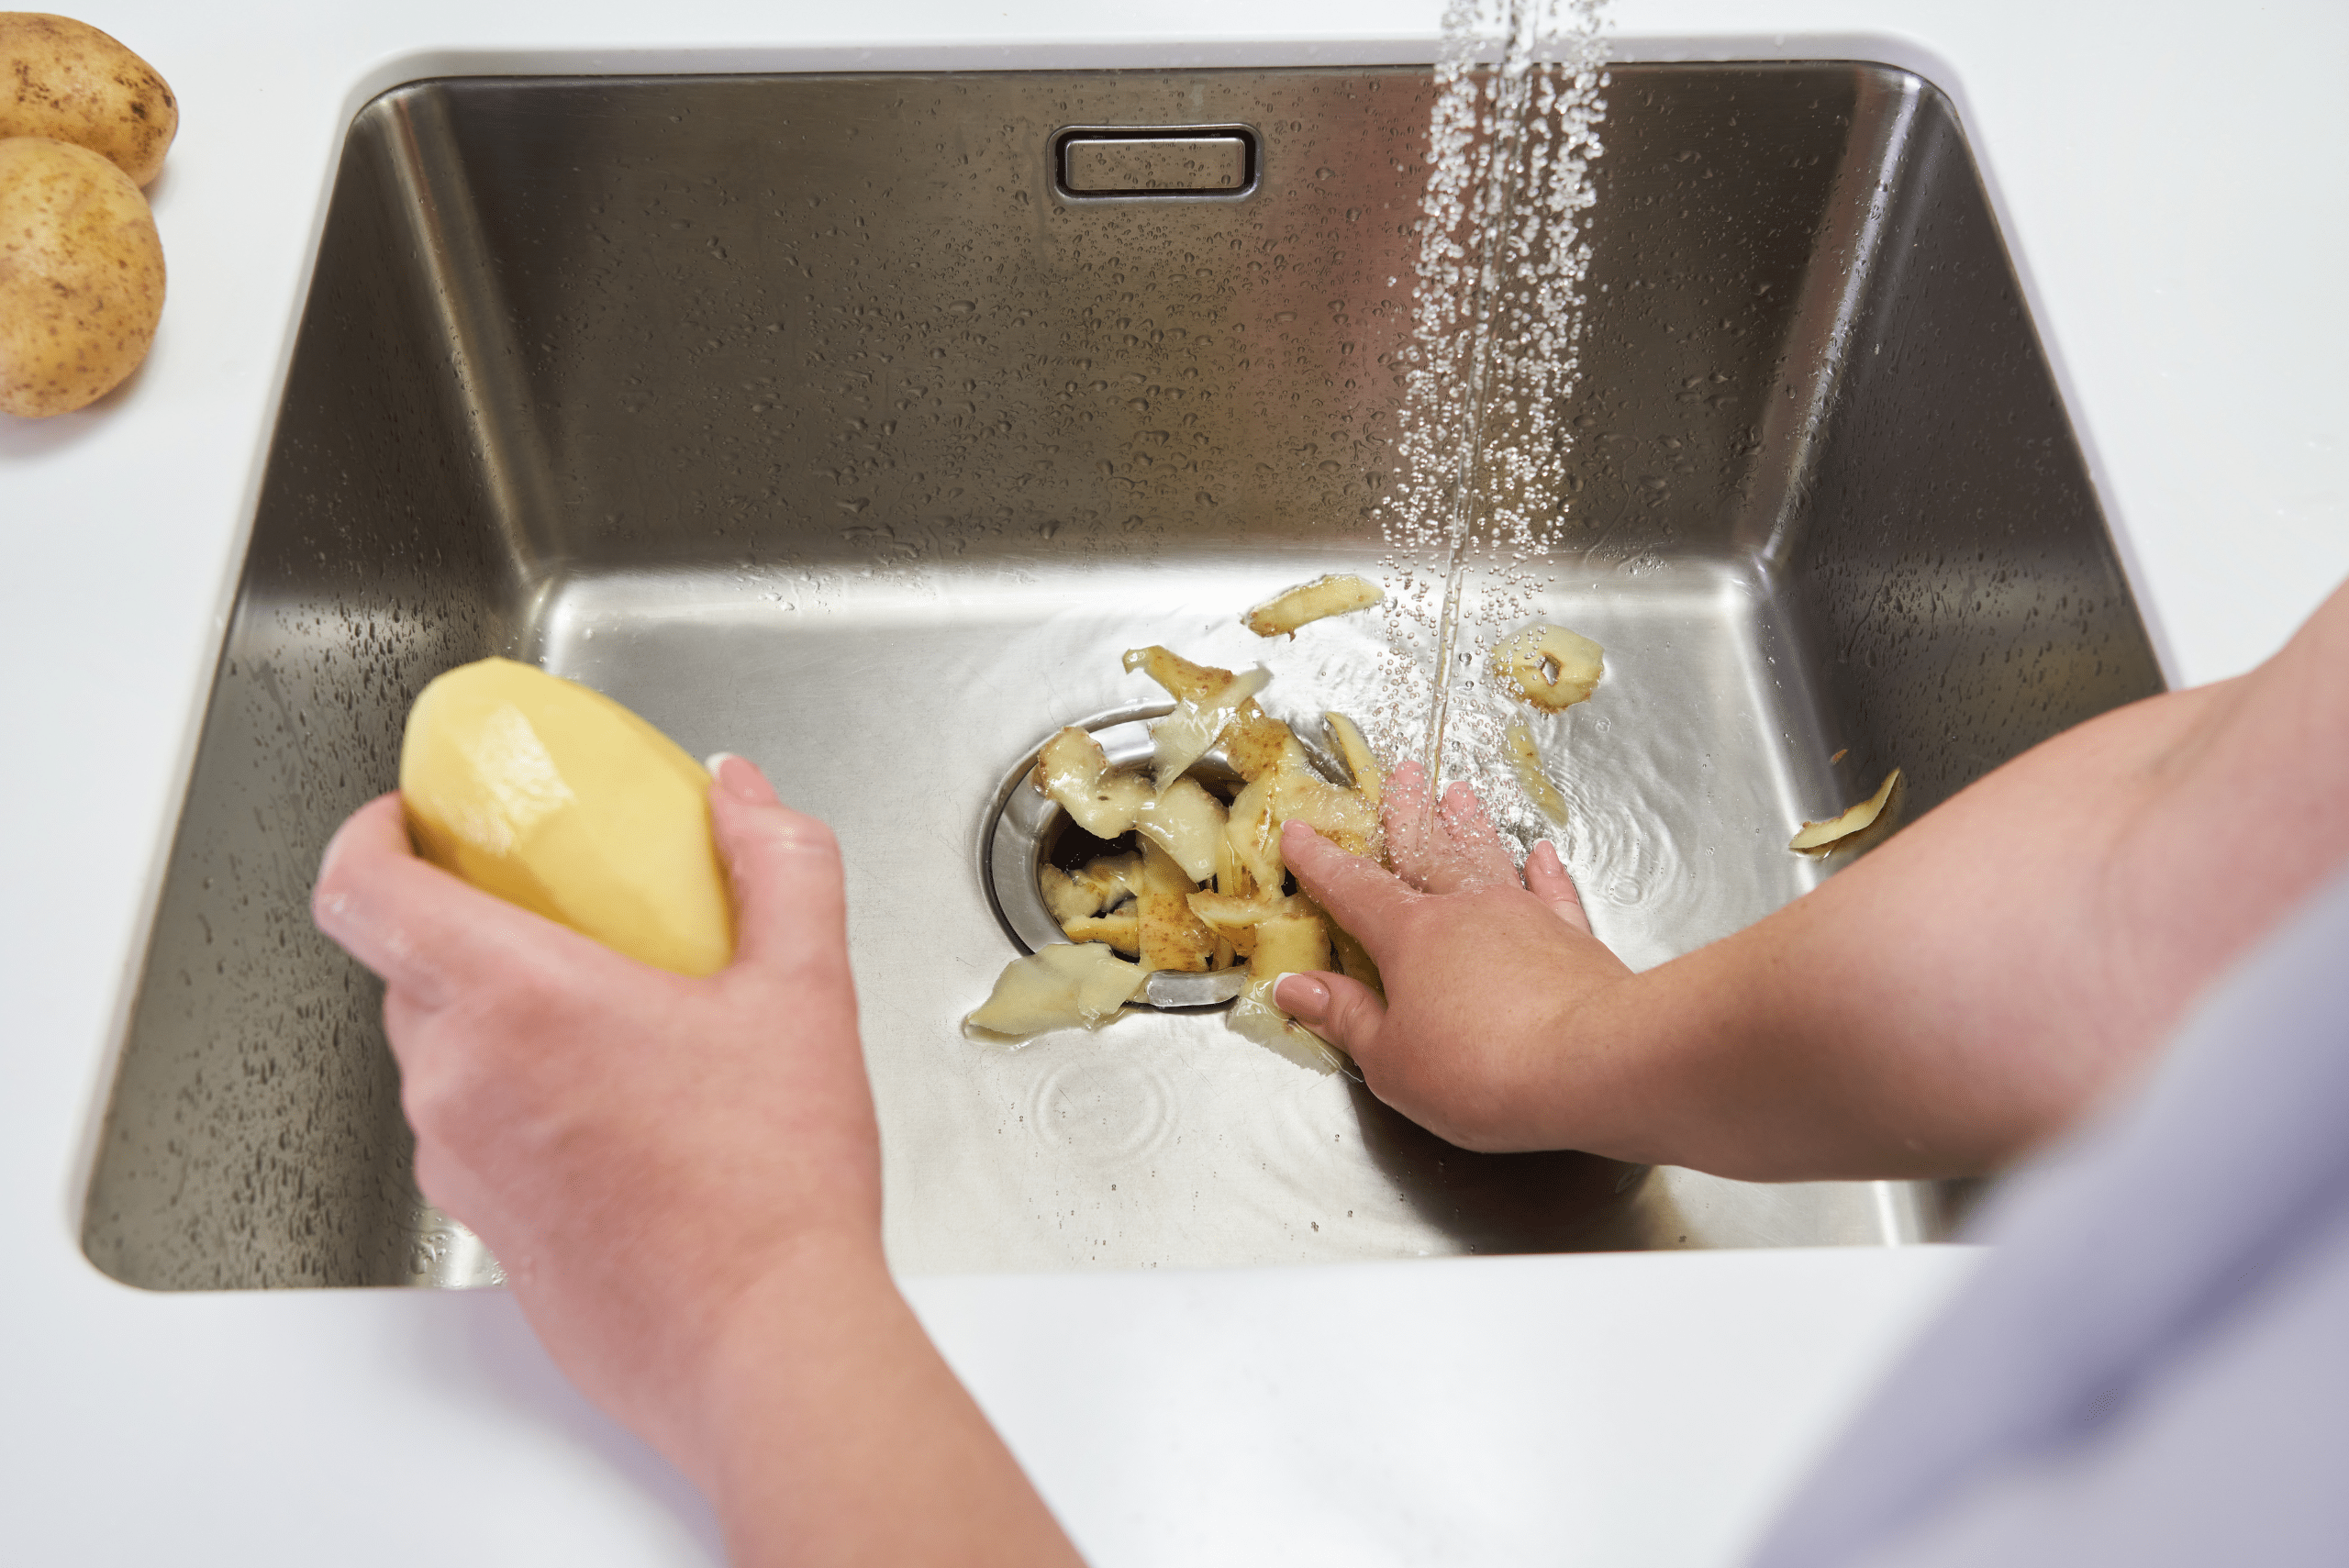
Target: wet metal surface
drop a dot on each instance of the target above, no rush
(808, 418)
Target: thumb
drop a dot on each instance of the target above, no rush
(1547, 879)
(784, 868)
(1344, 1012)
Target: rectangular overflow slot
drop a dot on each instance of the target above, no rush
(1156, 162)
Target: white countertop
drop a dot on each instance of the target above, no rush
(2171, 184)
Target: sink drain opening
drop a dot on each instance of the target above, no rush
(1028, 830)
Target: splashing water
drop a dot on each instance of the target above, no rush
(1498, 328)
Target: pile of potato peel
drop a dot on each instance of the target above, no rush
(1207, 889)
(1204, 889)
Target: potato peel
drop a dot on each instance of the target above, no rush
(1188, 733)
(1073, 770)
(1285, 944)
(1550, 667)
(1362, 762)
(1254, 1016)
(1188, 839)
(1235, 920)
(1103, 884)
(1308, 602)
(1525, 758)
(1186, 822)
(1060, 987)
(1172, 936)
(1121, 931)
(1183, 681)
(1338, 815)
(1256, 743)
(1255, 836)
(1253, 741)
(1818, 835)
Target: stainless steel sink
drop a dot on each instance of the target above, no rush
(814, 419)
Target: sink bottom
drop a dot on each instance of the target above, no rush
(891, 705)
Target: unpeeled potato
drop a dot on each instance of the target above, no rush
(81, 276)
(557, 798)
(66, 81)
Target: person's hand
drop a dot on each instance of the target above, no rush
(682, 1177)
(640, 1149)
(1485, 976)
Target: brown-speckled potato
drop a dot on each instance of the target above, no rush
(67, 80)
(81, 276)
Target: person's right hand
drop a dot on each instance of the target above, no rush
(642, 1150)
(683, 1178)
(1485, 976)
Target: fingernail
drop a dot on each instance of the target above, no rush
(1293, 832)
(742, 780)
(1301, 996)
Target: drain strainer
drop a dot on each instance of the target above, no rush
(1027, 830)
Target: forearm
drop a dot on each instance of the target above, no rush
(832, 1432)
(1969, 989)
(1935, 1009)
(683, 1178)
(1762, 1059)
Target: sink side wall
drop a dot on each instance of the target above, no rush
(847, 321)
(254, 1135)
(1954, 589)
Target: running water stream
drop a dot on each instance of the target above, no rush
(1497, 327)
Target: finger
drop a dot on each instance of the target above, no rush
(790, 906)
(1344, 1012)
(1547, 879)
(1470, 854)
(1361, 895)
(426, 932)
(1410, 819)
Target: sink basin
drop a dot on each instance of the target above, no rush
(817, 419)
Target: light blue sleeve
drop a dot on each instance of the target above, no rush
(2152, 1369)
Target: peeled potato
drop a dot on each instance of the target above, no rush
(66, 81)
(81, 277)
(557, 798)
